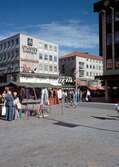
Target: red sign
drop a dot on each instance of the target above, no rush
(117, 64)
(109, 64)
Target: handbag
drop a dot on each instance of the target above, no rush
(3, 110)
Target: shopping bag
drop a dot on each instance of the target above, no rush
(3, 110)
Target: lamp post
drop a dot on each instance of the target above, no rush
(76, 85)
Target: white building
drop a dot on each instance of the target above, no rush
(82, 66)
(27, 59)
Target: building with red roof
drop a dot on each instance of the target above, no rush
(82, 67)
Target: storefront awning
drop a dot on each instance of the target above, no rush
(96, 88)
(29, 85)
(92, 87)
(80, 83)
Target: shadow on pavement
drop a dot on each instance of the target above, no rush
(66, 124)
(104, 118)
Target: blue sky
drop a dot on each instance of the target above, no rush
(70, 23)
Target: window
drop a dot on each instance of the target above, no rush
(55, 48)
(0, 57)
(87, 65)
(30, 41)
(116, 15)
(12, 42)
(40, 56)
(17, 52)
(50, 57)
(81, 73)
(50, 47)
(93, 67)
(17, 41)
(87, 73)
(8, 55)
(55, 58)
(99, 67)
(46, 67)
(90, 66)
(109, 19)
(90, 73)
(40, 45)
(8, 44)
(81, 65)
(40, 67)
(109, 39)
(12, 53)
(50, 68)
(4, 56)
(46, 57)
(0, 46)
(4, 45)
(117, 37)
(55, 68)
(45, 46)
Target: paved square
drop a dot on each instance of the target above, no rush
(84, 137)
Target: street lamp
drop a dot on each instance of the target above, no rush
(76, 83)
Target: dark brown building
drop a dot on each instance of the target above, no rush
(109, 44)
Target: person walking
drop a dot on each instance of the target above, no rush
(76, 97)
(17, 106)
(43, 103)
(9, 104)
(88, 96)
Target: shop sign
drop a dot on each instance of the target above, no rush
(30, 41)
(65, 79)
(29, 49)
(109, 64)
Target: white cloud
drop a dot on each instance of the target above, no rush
(72, 34)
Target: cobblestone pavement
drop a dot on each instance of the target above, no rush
(87, 136)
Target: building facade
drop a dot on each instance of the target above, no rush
(27, 59)
(109, 44)
(81, 66)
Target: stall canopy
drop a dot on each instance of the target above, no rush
(29, 85)
(80, 82)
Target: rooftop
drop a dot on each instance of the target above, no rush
(81, 54)
(103, 4)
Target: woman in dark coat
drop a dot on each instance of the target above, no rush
(9, 104)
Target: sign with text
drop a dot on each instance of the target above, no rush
(29, 49)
